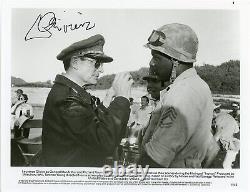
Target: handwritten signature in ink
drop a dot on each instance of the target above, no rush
(43, 24)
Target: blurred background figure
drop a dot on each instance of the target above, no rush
(235, 113)
(25, 108)
(216, 111)
(15, 96)
(225, 127)
(133, 110)
(154, 86)
(19, 92)
(131, 101)
(142, 117)
(20, 112)
(14, 103)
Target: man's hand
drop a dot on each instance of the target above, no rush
(17, 123)
(122, 84)
(108, 97)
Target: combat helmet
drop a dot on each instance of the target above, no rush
(178, 41)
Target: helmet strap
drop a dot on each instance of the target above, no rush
(173, 74)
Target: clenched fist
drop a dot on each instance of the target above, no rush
(122, 84)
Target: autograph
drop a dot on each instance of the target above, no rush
(44, 23)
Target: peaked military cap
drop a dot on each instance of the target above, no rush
(91, 47)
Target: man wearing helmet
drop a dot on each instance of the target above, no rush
(182, 132)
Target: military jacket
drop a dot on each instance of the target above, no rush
(77, 129)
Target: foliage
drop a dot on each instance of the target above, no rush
(17, 81)
(222, 79)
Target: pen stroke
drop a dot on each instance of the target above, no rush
(43, 25)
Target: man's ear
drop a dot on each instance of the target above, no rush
(74, 62)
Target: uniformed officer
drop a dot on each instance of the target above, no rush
(179, 134)
(78, 130)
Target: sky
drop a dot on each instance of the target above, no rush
(125, 32)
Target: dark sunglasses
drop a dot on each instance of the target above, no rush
(97, 63)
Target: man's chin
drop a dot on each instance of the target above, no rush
(156, 97)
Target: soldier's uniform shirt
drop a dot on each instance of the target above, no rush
(178, 134)
(77, 131)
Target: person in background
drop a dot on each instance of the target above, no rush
(14, 104)
(154, 86)
(19, 92)
(78, 130)
(15, 96)
(214, 148)
(225, 128)
(133, 110)
(14, 100)
(179, 134)
(25, 108)
(131, 101)
(21, 111)
(16, 156)
(235, 113)
(216, 111)
(142, 116)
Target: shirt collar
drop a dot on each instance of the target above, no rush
(186, 74)
(61, 79)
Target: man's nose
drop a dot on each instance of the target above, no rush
(150, 84)
(151, 63)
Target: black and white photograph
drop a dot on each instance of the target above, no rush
(87, 91)
(129, 89)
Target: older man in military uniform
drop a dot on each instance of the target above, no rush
(179, 133)
(78, 130)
